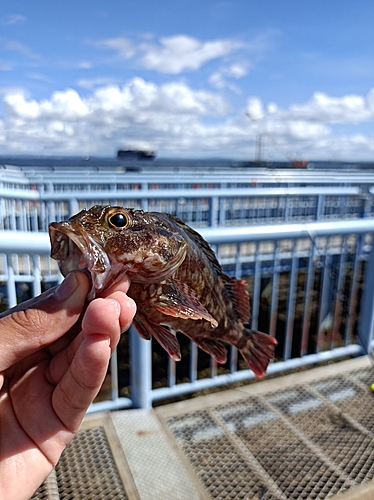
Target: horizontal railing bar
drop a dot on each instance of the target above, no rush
(39, 243)
(201, 193)
(243, 234)
(178, 193)
(24, 242)
(116, 404)
(243, 375)
(20, 194)
(193, 175)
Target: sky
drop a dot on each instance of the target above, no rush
(188, 78)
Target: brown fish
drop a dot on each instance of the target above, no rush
(176, 279)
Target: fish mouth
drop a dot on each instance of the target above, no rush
(75, 250)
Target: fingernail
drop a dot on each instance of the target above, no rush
(67, 287)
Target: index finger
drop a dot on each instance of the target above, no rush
(121, 286)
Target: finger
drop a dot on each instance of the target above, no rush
(25, 331)
(87, 371)
(127, 309)
(81, 383)
(98, 313)
(122, 286)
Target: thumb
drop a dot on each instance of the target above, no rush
(42, 321)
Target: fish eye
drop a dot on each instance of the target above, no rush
(119, 220)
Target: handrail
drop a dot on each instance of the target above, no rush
(39, 243)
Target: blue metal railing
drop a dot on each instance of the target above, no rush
(301, 239)
(311, 286)
(22, 210)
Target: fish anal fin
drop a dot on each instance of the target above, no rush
(213, 347)
(164, 337)
(167, 340)
(237, 290)
(180, 301)
(257, 349)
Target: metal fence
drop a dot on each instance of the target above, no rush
(301, 239)
(27, 210)
(311, 286)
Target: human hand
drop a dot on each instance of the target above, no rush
(51, 367)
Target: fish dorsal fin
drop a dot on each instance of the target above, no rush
(237, 290)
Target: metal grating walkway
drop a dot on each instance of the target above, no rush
(302, 436)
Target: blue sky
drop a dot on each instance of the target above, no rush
(188, 78)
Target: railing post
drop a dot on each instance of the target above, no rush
(366, 319)
(140, 370)
(11, 287)
(144, 196)
(36, 285)
(320, 206)
(213, 211)
(73, 207)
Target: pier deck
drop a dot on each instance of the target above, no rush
(308, 435)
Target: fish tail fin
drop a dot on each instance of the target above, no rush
(257, 349)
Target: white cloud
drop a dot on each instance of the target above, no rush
(319, 111)
(173, 54)
(222, 78)
(16, 46)
(13, 19)
(346, 109)
(40, 77)
(90, 83)
(124, 47)
(183, 53)
(5, 67)
(84, 65)
(176, 119)
(255, 109)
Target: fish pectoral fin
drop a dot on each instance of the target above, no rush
(164, 337)
(180, 301)
(213, 347)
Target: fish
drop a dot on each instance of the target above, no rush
(177, 281)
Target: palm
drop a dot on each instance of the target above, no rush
(29, 424)
(49, 378)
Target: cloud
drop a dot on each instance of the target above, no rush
(222, 78)
(321, 108)
(311, 126)
(183, 53)
(178, 120)
(173, 54)
(40, 77)
(347, 109)
(12, 19)
(69, 122)
(16, 46)
(124, 47)
(90, 83)
(5, 67)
